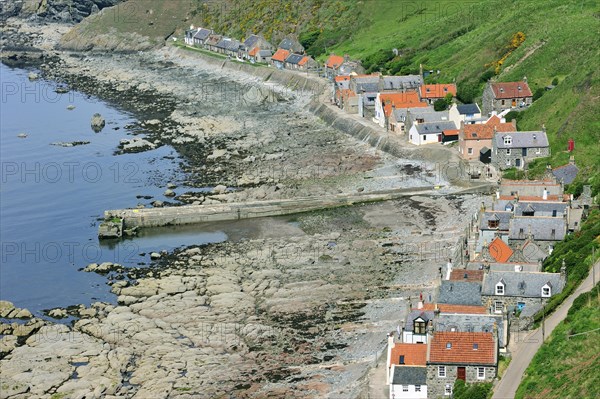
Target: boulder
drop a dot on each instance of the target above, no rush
(98, 122)
(33, 76)
(220, 189)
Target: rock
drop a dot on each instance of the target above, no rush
(171, 185)
(154, 255)
(33, 76)
(6, 308)
(136, 144)
(69, 144)
(22, 135)
(23, 314)
(220, 189)
(153, 122)
(58, 313)
(217, 154)
(360, 189)
(71, 107)
(169, 193)
(98, 122)
(158, 204)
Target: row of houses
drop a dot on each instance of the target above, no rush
(493, 295)
(289, 54)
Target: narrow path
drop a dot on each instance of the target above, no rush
(529, 344)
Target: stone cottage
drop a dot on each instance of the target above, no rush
(500, 96)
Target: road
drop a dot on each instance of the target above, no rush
(529, 344)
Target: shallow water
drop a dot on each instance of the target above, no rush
(52, 197)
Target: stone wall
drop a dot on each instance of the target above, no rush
(502, 160)
(436, 386)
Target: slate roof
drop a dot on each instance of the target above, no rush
(252, 41)
(202, 34)
(466, 275)
(290, 45)
(540, 228)
(463, 349)
(502, 217)
(426, 315)
(224, 43)
(294, 59)
(428, 114)
(533, 139)
(414, 354)
(541, 208)
(460, 293)
(400, 113)
(213, 39)
(406, 375)
(402, 82)
(566, 173)
(437, 90)
(468, 109)
(522, 284)
(234, 45)
(505, 266)
(470, 323)
(531, 252)
(499, 250)
(434, 127)
(511, 90)
(367, 87)
(265, 53)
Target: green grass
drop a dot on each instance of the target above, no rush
(576, 251)
(565, 367)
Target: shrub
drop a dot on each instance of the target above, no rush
(471, 391)
(467, 91)
(440, 105)
(538, 93)
(555, 81)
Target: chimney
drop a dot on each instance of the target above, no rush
(545, 194)
(525, 79)
(482, 206)
(572, 160)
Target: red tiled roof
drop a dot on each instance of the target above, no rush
(334, 61)
(549, 182)
(341, 78)
(451, 132)
(451, 308)
(533, 198)
(414, 354)
(437, 90)
(499, 250)
(280, 55)
(472, 276)
(511, 90)
(346, 93)
(303, 61)
(400, 100)
(485, 131)
(460, 348)
(253, 52)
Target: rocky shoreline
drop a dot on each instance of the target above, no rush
(301, 310)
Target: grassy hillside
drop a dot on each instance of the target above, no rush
(564, 367)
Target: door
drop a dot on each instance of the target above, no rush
(462, 374)
(518, 163)
(439, 138)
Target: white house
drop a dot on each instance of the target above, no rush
(386, 103)
(429, 132)
(467, 113)
(408, 382)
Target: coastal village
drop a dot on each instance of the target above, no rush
(491, 290)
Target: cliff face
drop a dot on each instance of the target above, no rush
(67, 11)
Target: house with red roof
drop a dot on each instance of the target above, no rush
(475, 140)
(500, 96)
(278, 59)
(468, 356)
(333, 64)
(433, 92)
(406, 369)
(385, 103)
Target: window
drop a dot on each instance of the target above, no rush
(553, 234)
(442, 371)
(419, 327)
(480, 373)
(507, 140)
(508, 151)
(448, 345)
(475, 346)
(493, 224)
(502, 102)
(404, 388)
(546, 291)
(448, 390)
(538, 151)
(498, 307)
(524, 152)
(401, 360)
(469, 151)
(417, 388)
(499, 289)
